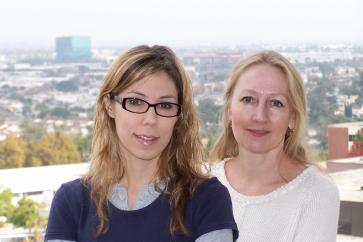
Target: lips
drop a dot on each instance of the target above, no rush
(258, 132)
(146, 139)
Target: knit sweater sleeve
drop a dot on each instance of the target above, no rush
(319, 217)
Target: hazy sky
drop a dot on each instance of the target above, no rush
(180, 22)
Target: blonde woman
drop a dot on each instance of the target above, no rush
(277, 194)
(145, 181)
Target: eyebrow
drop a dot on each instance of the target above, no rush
(143, 95)
(269, 94)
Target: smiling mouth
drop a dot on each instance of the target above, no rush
(257, 132)
(146, 140)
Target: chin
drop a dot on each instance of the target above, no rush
(147, 157)
(258, 149)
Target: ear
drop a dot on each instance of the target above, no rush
(109, 106)
(292, 121)
(229, 115)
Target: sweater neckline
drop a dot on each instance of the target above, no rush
(265, 197)
(156, 202)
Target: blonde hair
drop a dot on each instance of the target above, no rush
(294, 147)
(180, 162)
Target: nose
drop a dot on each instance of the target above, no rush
(150, 116)
(261, 113)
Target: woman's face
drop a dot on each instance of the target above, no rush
(259, 110)
(143, 136)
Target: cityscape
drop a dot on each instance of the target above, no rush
(48, 96)
(56, 89)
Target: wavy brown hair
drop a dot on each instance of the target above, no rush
(294, 145)
(179, 165)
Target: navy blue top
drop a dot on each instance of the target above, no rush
(73, 216)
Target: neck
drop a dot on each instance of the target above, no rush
(256, 174)
(138, 173)
(259, 167)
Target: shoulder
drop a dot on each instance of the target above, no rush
(74, 187)
(209, 184)
(71, 199)
(320, 208)
(211, 209)
(322, 193)
(321, 183)
(72, 193)
(70, 202)
(210, 187)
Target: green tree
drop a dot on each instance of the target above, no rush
(12, 152)
(27, 213)
(57, 148)
(32, 131)
(321, 108)
(358, 136)
(210, 133)
(321, 105)
(67, 86)
(208, 111)
(326, 68)
(348, 111)
(84, 146)
(6, 207)
(360, 82)
(32, 159)
(57, 112)
(27, 109)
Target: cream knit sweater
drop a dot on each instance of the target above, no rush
(305, 209)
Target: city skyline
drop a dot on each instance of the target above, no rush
(37, 23)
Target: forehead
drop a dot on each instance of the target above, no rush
(156, 84)
(264, 78)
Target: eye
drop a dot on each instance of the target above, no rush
(166, 105)
(247, 99)
(135, 102)
(276, 103)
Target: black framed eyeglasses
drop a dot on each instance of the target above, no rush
(137, 105)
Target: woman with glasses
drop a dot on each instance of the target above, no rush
(145, 182)
(277, 194)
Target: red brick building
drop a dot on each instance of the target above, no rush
(340, 139)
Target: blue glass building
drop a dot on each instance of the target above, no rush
(73, 48)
